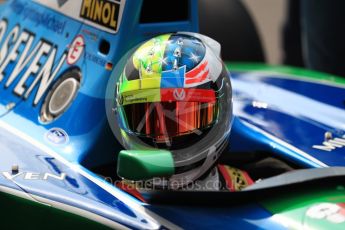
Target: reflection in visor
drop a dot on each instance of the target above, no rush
(164, 120)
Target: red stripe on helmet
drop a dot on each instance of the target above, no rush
(188, 95)
(197, 74)
(199, 79)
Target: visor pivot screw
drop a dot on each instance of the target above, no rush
(328, 136)
(15, 169)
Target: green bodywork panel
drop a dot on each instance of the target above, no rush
(145, 164)
(20, 213)
(320, 209)
(285, 70)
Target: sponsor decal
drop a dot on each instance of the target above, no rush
(21, 58)
(179, 95)
(95, 59)
(57, 136)
(33, 176)
(167, 95)
(131, 99)
(331, 143)
(140, 96)
(27, 11)
(334, 213)
(187, 94)
(75, 50)
(101, 12)
(99, 61)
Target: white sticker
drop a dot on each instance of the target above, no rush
(57, 136)
(75, 50)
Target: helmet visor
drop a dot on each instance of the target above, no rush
(169, 118)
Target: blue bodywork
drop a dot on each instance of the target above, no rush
(87, 134)
(292, 112)
(275, 113)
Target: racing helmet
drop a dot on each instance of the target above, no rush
(175, 94)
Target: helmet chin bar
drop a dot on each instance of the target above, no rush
(140, 165)
(180, 180)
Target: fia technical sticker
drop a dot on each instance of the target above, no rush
(75, 50)
(21, 57)
(101, 12)
(57, 136)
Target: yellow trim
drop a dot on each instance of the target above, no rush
(140, 84)
(147, 59)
